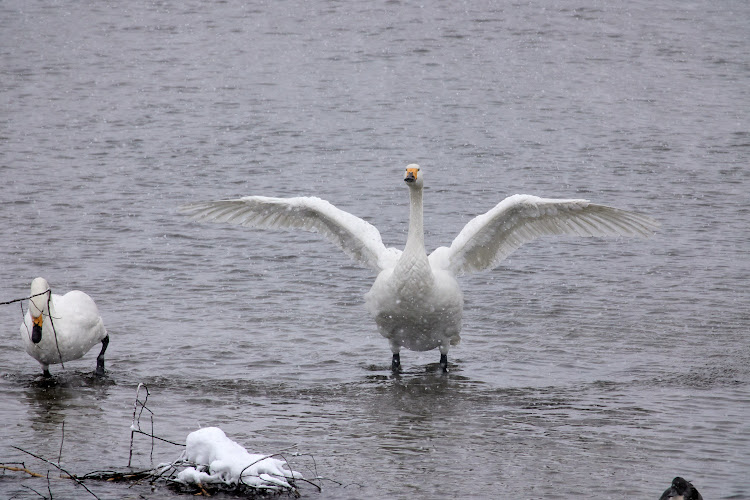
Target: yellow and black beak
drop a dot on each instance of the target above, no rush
(411, 174)
(36, 330)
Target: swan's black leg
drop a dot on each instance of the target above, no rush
(100, 357)
(45, 372)
(396, 363)
(444, 363)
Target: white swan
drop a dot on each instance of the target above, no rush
(58, 328)
(416, 300)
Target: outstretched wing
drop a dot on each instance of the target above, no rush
(358, 238)
(489, 238)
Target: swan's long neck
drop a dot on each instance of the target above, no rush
(415, 239)
(413, 274)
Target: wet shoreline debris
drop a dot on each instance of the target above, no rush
(210, 463)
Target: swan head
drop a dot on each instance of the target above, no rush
(412, 177)
(37, 307)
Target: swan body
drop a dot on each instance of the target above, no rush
(415, 300)
(59, 328)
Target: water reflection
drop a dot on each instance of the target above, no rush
(412, 412)
(51, 399)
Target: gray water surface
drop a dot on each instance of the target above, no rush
(587, 368)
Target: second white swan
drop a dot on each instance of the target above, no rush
(61, 328)
(416, 300)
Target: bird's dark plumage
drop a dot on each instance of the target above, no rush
(681, 490)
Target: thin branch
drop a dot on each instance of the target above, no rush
(166, 469)
(49, 489)
(54, 330)
(21, 469)
(157, 437)
(23, 316)
(151, 457)
(314, 470)
(133, 427)
(62, 440)
(143, 404)
(323, 478)
(24, 298)
(309, 482)
(71, 476)
(277, 454)
(32, 489)
(257, 461)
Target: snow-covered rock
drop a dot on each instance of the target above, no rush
(221, 460)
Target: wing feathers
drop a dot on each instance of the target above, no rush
(482, 244)
(489, 238)
(356, 237)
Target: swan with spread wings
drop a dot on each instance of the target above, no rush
(415, 300)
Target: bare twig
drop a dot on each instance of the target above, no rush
(23, 316)
(143, 404)
(314, 470)
(24, 298)
(257, 461)
(32, 489)
(322, 478)
(71, 476)
(152, 439)
(308, 482)
(20, 469)
(135, 426)
(157, 437)
(54, 330)
(169, 467)
(62, 440)
(284, 476)
(108, 475)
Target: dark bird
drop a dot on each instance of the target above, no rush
(681, 490)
